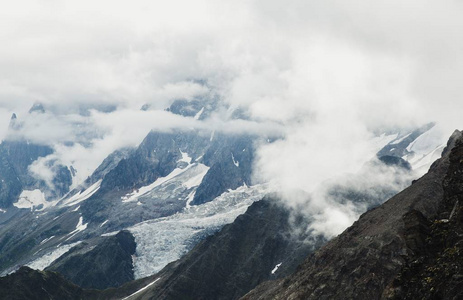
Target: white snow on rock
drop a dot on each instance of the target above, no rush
(79, 227)
(82, 196)
(395, 142)
(382, 140)
(187, 178)
(425, 149)
(146, 189)
(32, 199)
(196, 176)
(198, 115)
(47, 259)
(185, 157)
(46, 240)
(141, 290)
(236, 163)
(164, 240)
(276, 268)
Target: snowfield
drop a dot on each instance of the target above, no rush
(32, 199)
(164, 240)
(47, 259)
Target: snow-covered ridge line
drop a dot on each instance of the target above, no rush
(189, 177)
(145, 189)
(47, 259)
(82, 196)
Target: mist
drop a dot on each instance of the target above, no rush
(327, 77)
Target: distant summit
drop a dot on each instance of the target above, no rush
(14, 124)
(37, 108)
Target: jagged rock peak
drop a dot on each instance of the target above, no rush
(37, 108)
(145, 107)
(14, 124)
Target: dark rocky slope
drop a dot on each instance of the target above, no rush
(366, 260)
(435, 270)
(35, 285)
(28, 284)
(108, 264)
(223, 266)
(238, 258)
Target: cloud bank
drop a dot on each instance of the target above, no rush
(328, 76)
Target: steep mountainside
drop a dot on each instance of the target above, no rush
(362, 263)
(107, 264)
(263, 243)
(364, 260)
(34, 285)
(435, 268)
(172, 191)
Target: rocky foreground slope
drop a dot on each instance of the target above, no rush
(409, 247)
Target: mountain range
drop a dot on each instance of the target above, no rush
(181, 216)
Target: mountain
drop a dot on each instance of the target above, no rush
(18, 184)
(373, 258)
(106, 264)
(259, 245)
(170, 193)
(34, 285)
(408, 246)
(168, 173)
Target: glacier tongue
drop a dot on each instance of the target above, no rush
(164, 240)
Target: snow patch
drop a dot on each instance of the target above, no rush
(212, 136)
(32, 199)
(82, 196)
(276, 268)
(102, 224)
(141, 290)
(189, 177)
(79, 227)
(185, 157)
(425, 149)
(401, 139)
(198, 115)
(47, 259)
(379, 142)
(195, 180)
(236, 163)
(145, 189)
(46, 240)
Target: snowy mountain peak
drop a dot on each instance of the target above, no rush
(14, 124)
(37, 108)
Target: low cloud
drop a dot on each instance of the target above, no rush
(326, 76)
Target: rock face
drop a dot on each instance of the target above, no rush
(16, 157)
(259, 245)
(435, 269)
(228, 159)
(108, 264)
(366, 260)
(34, 285)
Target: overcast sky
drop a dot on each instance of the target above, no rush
(327, 73)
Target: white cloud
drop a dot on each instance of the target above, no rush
(325, 74)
